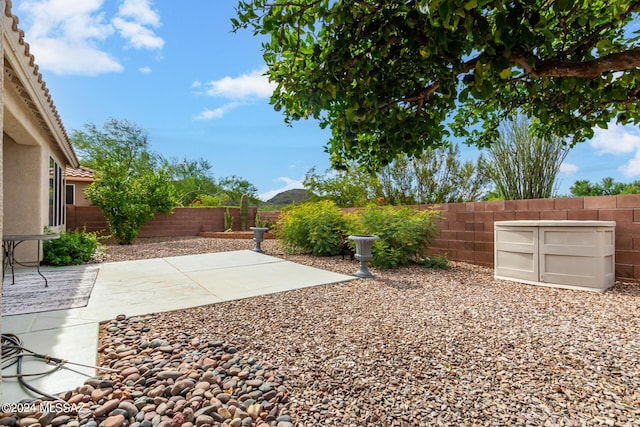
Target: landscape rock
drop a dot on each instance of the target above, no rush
(409, 347)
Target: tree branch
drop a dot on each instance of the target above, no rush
(584, 69)
(631, 98)
(421, 97)
(591, 39)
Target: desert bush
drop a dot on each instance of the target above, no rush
(405, 234)
(72, 248)
(208, 201)
(436, 261)
(318, 228)
(313, 227)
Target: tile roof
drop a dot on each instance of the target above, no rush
(38, 82)
(81, 173)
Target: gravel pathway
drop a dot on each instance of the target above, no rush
(410, 347)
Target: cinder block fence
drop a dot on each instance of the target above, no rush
(183, 221)
(466, 230)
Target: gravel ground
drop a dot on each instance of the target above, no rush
(410, 347)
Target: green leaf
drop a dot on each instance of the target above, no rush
(562, 5)
(329, 57)
(445, 13)
(471, 4)
(423, 7)
(506, 73)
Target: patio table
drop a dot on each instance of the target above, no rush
(9, 244)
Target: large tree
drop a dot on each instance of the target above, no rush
(399, 76)
(132, 183)
(119, 140)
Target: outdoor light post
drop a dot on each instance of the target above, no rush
(258, 237)
(364, 244)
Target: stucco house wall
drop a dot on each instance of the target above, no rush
(33, 138)
(22, 164)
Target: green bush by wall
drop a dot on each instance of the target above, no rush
(318, 228)
(72, 248)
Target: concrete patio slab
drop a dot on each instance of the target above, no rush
(144, 287)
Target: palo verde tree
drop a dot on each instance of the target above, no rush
(522, 165)
(192, 179)
(347, 188)
(436, 176)
(400, 76)
(132, 183)
(234, 187)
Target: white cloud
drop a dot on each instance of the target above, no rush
(79, 58)
(135, 17)
(289, 184)
(208, 114)
(251, 85)
(632, 168)
(615, 139)
(618, 140)
(216, 113)
(145, 70)
(140, 11)
(139, 36)
(68, 36)
(240, 90)
(68, 19)
(569, 168)
(63, 36)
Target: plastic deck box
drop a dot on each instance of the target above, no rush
(564, 254)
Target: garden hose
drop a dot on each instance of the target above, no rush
(13, 353)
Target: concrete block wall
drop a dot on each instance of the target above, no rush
(183, 221)
(85, 217)
(466, 229)
(271, 216)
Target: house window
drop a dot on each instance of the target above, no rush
(56, 194)
(70, 197)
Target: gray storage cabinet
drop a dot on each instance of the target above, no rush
(565, 254)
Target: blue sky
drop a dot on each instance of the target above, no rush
(175, 69)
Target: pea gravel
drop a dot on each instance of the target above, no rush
(410, 347)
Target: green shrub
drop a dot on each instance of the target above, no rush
(436, 261)
(259, 222)
(72, 248)
(313, 227)
(405, 234)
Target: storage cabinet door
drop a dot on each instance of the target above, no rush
(516, 252)
(577, 256)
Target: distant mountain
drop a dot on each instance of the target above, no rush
(289, 197)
